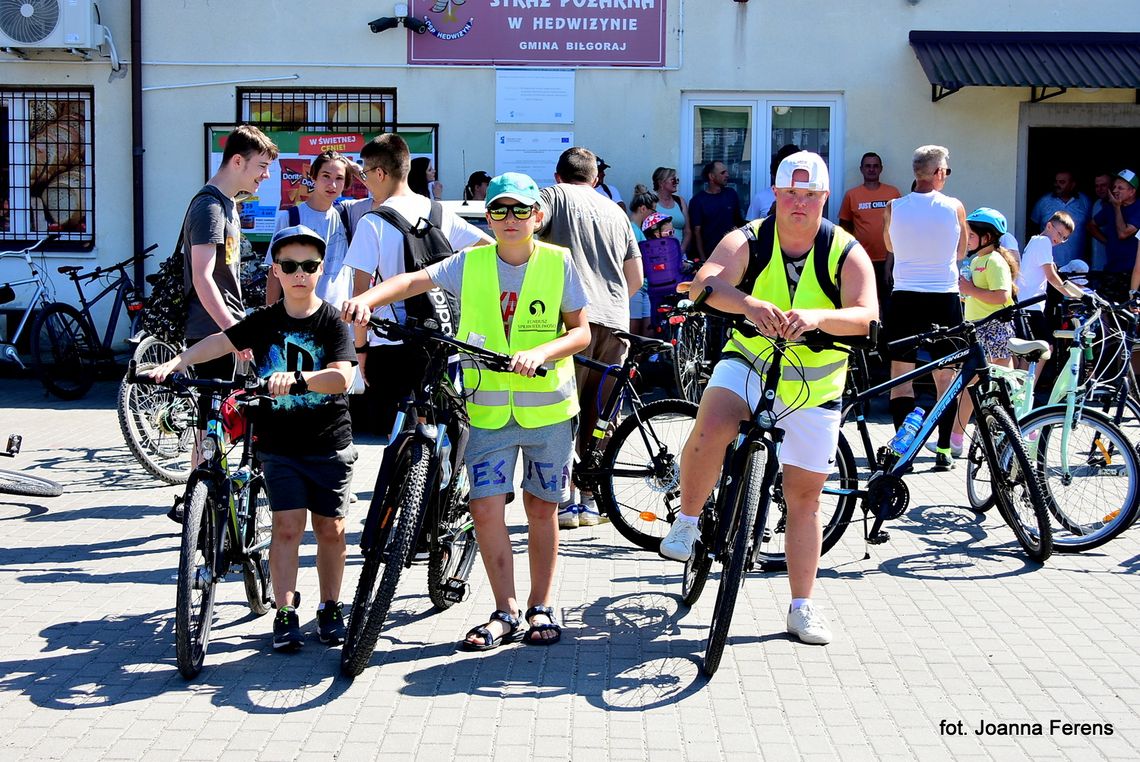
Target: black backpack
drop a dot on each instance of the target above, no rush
(760, 245)
(425, 244)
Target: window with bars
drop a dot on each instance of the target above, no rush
(300, 109)
(47, 183)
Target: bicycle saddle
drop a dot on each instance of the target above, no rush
(69, 270)
(1031, 351)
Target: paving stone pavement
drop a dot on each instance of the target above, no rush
(947, 624)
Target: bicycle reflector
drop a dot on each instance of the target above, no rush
(647, 516)
(233, 418)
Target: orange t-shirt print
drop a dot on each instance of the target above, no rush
(865, 208)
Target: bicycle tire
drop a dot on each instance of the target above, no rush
(835, 512)
(453, 560)
(690, 372)
(696, 572)
(979, 487)
(17, 483)
(258, 527)
(641, 490)
(157, 424)
(194, 616)
(1082, 520)
(748, 501)
(62, 345)
(1018, 490)
(370, 607)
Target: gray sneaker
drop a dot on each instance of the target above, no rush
(809, 625)
(678, 544)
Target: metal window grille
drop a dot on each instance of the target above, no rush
(305, 109)
(47, 184)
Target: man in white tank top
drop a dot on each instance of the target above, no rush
(925, 233)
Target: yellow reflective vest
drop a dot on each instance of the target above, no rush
(818, 376)
(534, 402)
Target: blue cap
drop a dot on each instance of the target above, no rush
(296, 234)
(514, 185)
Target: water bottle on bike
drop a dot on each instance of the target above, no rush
(906, 434)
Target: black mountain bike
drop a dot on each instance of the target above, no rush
(420, 502)
(227, 523)
(636, 475)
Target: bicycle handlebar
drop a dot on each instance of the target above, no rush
(814, 339)
(99, 271)
(251, 385)
(429, 331)
(954, 330)
(28, 250)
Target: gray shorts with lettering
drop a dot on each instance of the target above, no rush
(548, 454)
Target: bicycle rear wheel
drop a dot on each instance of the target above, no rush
(1018, 491)
(373, 599)
(1093, 483)
(258, 528)
(690, 357)
(641, 491)
(197, 585)
(16, 483)
(452, 559)
(157, 423)
(979, 487)
(835, 510)
(63, 351)
(749, 500)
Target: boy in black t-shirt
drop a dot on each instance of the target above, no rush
(305, 439)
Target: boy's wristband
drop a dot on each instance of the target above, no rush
(362, 348)
(301, 385)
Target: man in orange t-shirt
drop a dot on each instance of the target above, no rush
(861, 214)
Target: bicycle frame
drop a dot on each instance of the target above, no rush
(38, 299)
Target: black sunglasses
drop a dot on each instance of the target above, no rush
(289, 266)
(499, 213)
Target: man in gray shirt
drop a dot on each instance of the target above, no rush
(608, 261)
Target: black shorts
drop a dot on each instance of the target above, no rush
(321, 483)
(1035, 326)
(914, 312)
(222, 367)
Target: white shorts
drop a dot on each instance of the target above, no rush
(811, 434)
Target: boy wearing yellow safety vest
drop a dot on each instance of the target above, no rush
(516, 410)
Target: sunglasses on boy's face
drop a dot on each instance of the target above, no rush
(499, 213)
(289, 266)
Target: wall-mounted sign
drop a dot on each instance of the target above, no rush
(540, 32)
(532, 153)
(534, 96)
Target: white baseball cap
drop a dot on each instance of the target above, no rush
(812, 163)
(1074, 267)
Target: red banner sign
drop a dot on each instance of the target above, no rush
(314, 145)
(539, 32)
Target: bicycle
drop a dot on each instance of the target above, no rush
(734, 527)
(1076, 449)
(26, 485)
(227, 522)
(65, 344)
(158, 423)
(696, 338)
(420, 499)
(636, 475)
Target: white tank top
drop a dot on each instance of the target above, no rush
(924, 234)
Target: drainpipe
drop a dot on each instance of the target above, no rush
(137, 138)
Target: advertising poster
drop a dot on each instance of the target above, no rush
(539, 32)
(289, 183)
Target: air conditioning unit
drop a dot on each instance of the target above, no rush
(45, 24)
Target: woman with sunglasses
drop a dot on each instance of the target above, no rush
(665, 183)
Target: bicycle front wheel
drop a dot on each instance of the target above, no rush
(835, 509)
(157, 423)
(197, 585)
(256, 532)
(374, 599)
(641, 490)
(1018, 490)
(16, 483)
(1092, 480)
(749, 500)
(690, 357)
(63, 351)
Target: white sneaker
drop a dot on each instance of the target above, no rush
(568, 516)
(678, 544)
(932, 446)
(809, 625)
(588, 514)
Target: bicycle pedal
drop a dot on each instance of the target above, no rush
(455, 590)
(880, 538)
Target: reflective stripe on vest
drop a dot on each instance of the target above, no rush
(533, 402)
(823, 373)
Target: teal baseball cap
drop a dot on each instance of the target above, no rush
(514, 185)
